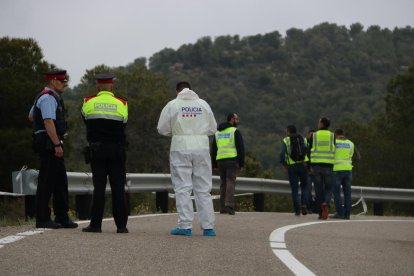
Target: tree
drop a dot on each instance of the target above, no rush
(21, 78)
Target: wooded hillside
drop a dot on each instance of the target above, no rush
(270, 80)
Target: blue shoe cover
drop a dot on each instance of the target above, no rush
(182, 232)
(209, 233)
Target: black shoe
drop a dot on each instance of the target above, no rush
(336, 216)
(92, 229)
(304, 210)
(297, 213)
(223, 212)
(48, 224)
(347, 216)
(67, 224)
(122, 230)
(229, 210)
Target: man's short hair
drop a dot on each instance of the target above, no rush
(326, 122)
(291, 129)
(339, 131)
(230, 116)
(181, 85)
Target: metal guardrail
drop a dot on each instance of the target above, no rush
(25, 182)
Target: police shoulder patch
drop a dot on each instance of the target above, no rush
(89, 98)
(124, 102)
(50, 92)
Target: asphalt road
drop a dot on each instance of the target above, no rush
(242, 247)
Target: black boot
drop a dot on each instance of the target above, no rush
(92, 229)
(67, 223)
(48, 224)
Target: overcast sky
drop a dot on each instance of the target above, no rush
(79, 34)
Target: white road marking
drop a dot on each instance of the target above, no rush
(30, 233)
(277, 240)
(277, 245)
(10, 239)
(292, 263)
(22, 235)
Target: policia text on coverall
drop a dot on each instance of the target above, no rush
(48, 117)
(189, 120)
(227, 154)
(105, 117)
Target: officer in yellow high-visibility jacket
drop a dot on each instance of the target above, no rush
(227, 153)
(344, 152)
(322, 156)
(105, 117)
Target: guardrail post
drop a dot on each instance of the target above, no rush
(258, 202)
(30, 206)
(83, 206)
(161, 201)
(127, 202)
(378, 209)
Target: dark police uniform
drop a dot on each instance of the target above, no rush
(52, 172)
(105, 117)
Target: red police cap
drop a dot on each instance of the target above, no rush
(104, 78)
(56, 75)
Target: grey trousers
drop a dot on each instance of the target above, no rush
(228, 172)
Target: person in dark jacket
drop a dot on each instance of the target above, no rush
(228, 155)
(49, 125)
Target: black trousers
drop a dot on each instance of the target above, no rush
(52, 180)
(108, 160)
(228, 173)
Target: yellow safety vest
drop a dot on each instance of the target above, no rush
(289, 160)
(105, 106)
(343, 155)
(323, 148)
(226, 146)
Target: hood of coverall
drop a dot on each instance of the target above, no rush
(191, 121)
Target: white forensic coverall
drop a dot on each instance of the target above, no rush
(190, 120)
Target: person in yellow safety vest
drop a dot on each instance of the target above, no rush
(293, 158)
(228, 155)
(106, 117)
(322, 156)
(343, 174)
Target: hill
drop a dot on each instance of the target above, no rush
(273, 81)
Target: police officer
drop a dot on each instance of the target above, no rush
(228, 155)
(48, 117)
(344, 152)
(322, 156)
(105, 117)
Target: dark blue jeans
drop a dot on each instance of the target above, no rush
(344, 179)
(296, 173)
(323, 180)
